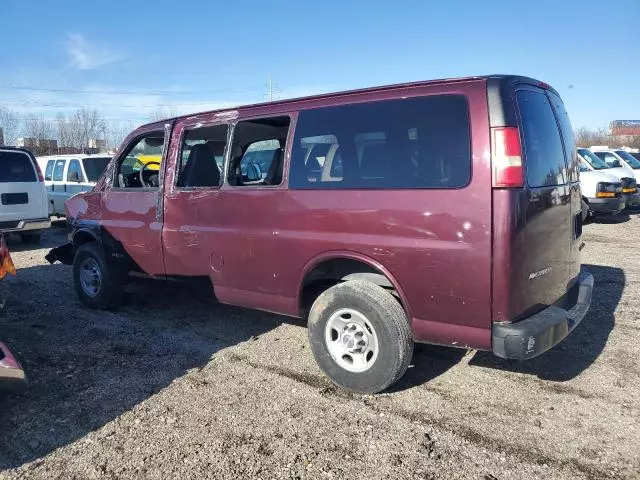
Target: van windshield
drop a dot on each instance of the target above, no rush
(94, 166)
(593, 159)
(627, 157)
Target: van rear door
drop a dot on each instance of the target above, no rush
(22, 195)
(549, 229)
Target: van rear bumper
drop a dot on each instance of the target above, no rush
(535, 335)
(26, 225)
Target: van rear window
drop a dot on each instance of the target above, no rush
(16, 167)
(544, 157)
(410, 143)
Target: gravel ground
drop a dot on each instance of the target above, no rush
(173, 387)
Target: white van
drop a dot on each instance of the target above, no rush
(617, 157)
(590, 161)
(601, 192)
(23, 198)
(66, 175)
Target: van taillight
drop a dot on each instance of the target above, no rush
(506, 159)
(39, 172)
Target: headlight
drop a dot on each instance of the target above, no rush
(607, 190)
(629, 185)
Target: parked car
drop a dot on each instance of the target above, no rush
(23, 199)
(590, 162)
(66, 175)
(11, 373)
(403, 228)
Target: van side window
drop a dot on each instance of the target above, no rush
(74, 172)
(610, 158)
(58, 170)
(419, 142)
(48, 172)
(139, 165)
(544, 156)
(257, 152)
(201, 158)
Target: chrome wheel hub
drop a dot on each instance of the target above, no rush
(90, 277)
(351, 340)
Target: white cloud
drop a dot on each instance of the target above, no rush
(87, 56)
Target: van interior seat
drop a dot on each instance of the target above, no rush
(377, 161)
(274, 175)
(201, 169)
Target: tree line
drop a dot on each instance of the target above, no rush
(586, 137)
(72, 132)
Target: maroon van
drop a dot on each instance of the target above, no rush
(444, 212)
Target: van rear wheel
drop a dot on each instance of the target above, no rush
(97, 284)
(360, 336)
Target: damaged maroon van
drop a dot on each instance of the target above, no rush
(444, 212)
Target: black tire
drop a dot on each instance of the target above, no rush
(111, 287)
(31, 238)
(587, 216)
(391, 326)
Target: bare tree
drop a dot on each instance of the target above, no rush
(10, 123)
(38, 127)
(116, 132)
(75, 132)
(161, 113)
(62, 124)
(586, 137)
(87, 125)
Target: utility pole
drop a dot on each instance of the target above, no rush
(272, 88)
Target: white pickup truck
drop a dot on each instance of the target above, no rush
(66, 175)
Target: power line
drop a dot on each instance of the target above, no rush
(113, 105)
(117, 92)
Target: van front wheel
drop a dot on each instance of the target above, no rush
(360, 336)
(97, 283)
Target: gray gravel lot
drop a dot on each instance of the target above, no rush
(173, 387)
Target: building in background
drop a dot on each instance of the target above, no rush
(625, 130)
(97, 146)
(27, 142)
(39, 146)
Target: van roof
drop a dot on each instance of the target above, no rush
(62, 157)
(500, 81)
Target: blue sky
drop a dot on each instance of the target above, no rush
(130, 58)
